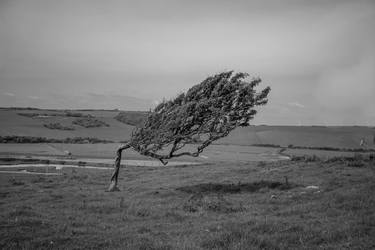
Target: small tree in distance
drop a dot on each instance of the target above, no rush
(205, 113)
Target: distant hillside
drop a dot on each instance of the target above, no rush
(308, 136)
(55, 124)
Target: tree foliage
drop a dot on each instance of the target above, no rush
(206, 112)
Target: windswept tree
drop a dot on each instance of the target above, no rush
(205, 113)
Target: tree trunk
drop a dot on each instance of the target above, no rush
(114, 179)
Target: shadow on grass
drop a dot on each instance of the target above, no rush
(210, 203)
(235, 188)
(15, 182)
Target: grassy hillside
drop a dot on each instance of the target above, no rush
(120, 124)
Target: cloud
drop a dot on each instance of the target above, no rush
(351, 86)
(348, 92)
(296, 104)
(8, 94)
(109, 100)
(34, 97)
(309, 51)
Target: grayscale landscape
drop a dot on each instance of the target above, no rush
(187, 124)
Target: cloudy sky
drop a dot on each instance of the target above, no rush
(317, 56)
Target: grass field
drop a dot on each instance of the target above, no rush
(216, 206)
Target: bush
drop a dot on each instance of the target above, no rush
(90, 123)
(306, 158)
(28, 114)
(25, 139)
(58, 126)
(31, 139)
(360, 150)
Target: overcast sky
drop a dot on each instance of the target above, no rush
(317, 56)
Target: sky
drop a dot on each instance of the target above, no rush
(318, 56)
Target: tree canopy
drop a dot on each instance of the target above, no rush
(206, 112)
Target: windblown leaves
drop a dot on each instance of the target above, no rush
(206, 112)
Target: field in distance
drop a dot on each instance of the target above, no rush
(116, 126)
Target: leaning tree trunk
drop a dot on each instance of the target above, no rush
(114, 179)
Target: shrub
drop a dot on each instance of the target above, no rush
(90, 123)
(31, 139)
(306, 158)
(28, 114)
(318, 148)
(58, 126)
